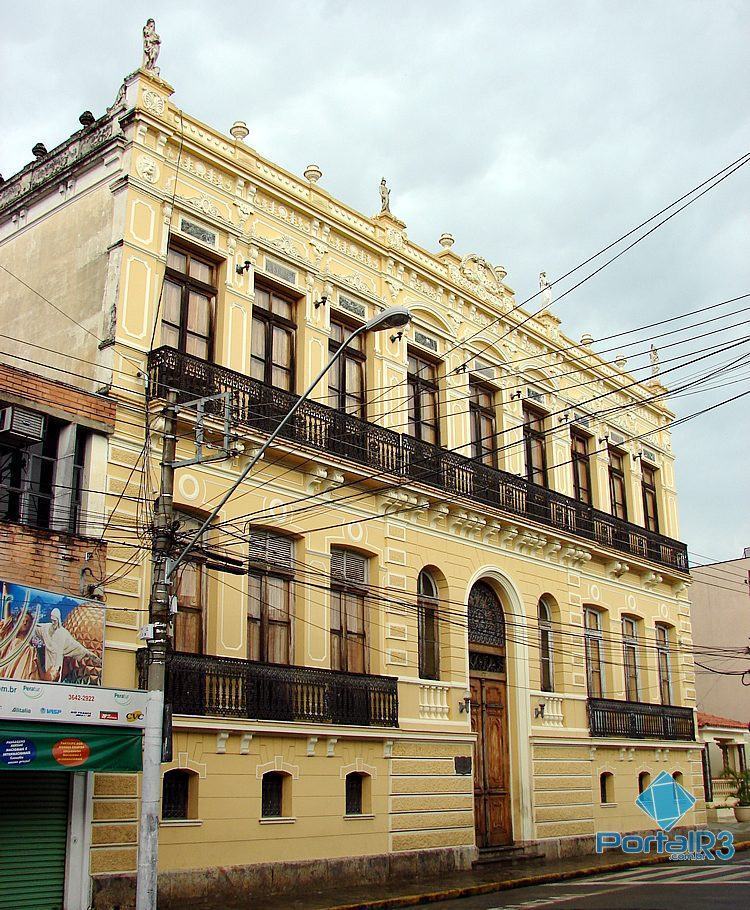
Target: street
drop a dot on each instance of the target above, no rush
(689, 886)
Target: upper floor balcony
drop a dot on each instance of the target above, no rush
(261, 407)
(639, 720)
(203, 685)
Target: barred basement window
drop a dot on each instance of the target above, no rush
(272, 797)
(354, 793)
(175, 799)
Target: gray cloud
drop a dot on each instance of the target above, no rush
(534, 132)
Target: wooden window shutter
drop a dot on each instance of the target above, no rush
(346, 565)
(273, 549)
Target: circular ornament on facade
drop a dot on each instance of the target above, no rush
(664, 611)
(153, 102)
(631, 602)
(278, 508)
(355, 532)
(594, 592)
(188, 486)
(147, 168)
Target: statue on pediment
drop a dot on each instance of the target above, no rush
(545, 289)
(151, 47)
(385, 197)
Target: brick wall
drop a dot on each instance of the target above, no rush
(38, 390)
(48, 559)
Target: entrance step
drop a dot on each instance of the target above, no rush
(515, 853)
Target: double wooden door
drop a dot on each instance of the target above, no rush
(489, 720)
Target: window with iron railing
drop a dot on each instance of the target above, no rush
(272, 338)
(534, 445)
(579, 450)
(348, 597)
(630, 655)
(593, 643)
(422, 395)
(618, 499)
(270, 596)
(650, 502)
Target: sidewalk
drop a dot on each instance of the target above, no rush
(483, 880)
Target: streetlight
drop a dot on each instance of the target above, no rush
(163, 571)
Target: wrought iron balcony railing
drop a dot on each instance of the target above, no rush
(639, 720)
(199, 684)
(260, 407)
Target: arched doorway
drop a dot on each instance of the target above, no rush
(489, 717)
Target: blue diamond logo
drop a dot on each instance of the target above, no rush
(665, 801)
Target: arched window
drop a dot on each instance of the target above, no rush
(546, 667)
(663, 662)
(429, 630)
(486, 622)
(179, 795)
(592, 619)
(276, 795)
(644, 780)
(606, 787)
(358, 793)
(677, 777)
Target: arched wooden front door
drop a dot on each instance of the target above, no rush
(489, 717)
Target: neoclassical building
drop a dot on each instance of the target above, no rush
(459, 619)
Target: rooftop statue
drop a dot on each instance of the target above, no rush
(151, 47)
(546, 290)
(653, 356)
(385, 197)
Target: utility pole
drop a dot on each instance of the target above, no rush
(158, 632)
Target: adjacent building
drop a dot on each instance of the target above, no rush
(461, 621)
(59, 725)
(720, 609)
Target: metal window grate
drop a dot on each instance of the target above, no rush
(175, 791)
(273, 791)
(354, 793)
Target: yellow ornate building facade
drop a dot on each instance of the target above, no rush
(459, 619)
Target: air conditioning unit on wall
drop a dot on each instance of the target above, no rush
(19, 425)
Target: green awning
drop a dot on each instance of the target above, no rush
(33, 746)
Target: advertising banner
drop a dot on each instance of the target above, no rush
(21, 700)
(47, 637)
(68, 747)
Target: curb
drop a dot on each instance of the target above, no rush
(544, 878)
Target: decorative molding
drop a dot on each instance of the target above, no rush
(148, 169)
(221, 742)
(358, 765)
(154, 102)
(278, 764)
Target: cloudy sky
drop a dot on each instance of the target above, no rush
(535, 132)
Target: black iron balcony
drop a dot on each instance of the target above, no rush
(639, 720)
(260, 407)
(206, 686)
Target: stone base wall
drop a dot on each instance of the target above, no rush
(244, 883)
(555, 848)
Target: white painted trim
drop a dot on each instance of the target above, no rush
(77, 878)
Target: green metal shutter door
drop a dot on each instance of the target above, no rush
(33, 838)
